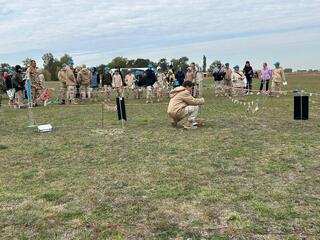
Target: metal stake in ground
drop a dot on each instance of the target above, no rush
(102, 113)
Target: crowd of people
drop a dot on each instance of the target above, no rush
(234, 81)
(184, 87)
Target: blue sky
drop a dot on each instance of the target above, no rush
(94, 32)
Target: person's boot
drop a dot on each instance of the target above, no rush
(63, 102)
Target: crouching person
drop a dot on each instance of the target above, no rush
(183, 105)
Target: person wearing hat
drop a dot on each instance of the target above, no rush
(238, 81)
(68, 85)
(117, 83)
(84, 79)
(218, 75)
(183, 105)
(248, 72)
(278, 79)
(228, 79)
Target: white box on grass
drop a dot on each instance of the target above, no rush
(45, 128)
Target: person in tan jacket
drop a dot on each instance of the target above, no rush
(278, 80)
(84, 79)
(117, 83)
(183, 105)
(68, 84)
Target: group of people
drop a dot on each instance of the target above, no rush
(25, 83)
(151, 83)
(234, 81)
(184, 105)
(183, 87)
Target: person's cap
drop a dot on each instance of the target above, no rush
(277, 64)
(18, 68)
(236, 67)
(227, 64)
(247, 62)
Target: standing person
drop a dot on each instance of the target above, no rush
(180, 76)
(278, 79)
(117, 83)
(94, 79)
(84, 78)
(228, 79)
(199, 84)
(238, 81)
(75, 73)
(18, 79)
(160, 86)
(190, 75)
(10, 88)
(150, 80)
(106, 81)
(183, 105)
(218, 75)
(248, 72)
(265, 77)
(68, 85)
(171, 78)
(33, 76)
(130, 80)
(194, 70)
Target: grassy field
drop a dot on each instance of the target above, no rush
(242, 176)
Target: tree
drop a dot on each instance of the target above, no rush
(180, 63)
(214, 65)
(141, 63)
(130, 63)
(118, 62)
(204, 63)
(51, 66)
(288, 70)
(163, 64)
(26, 62)
(66, 59)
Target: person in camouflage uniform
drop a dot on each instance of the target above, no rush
(68, 85)
(278, 80)
(84, 78)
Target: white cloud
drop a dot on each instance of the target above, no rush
(100, 29)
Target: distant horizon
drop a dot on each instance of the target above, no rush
(97, 31)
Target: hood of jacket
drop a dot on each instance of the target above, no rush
(177, 90)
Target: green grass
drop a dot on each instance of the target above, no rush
(242, 176)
